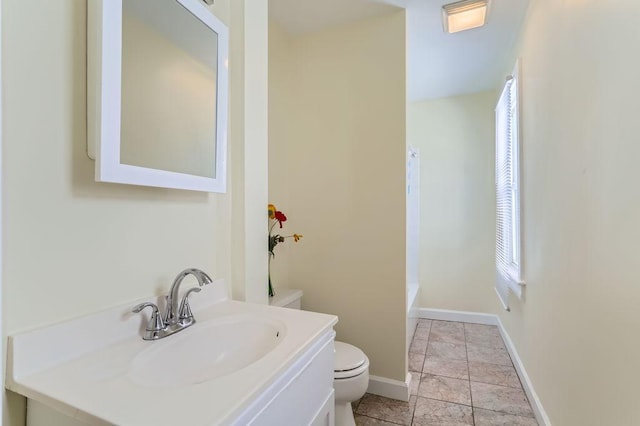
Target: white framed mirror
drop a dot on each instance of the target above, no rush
(157, 93)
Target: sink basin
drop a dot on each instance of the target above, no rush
(206, 350)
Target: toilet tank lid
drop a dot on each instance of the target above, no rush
(348, 357)
(284, 296)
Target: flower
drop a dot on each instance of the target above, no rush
(280, 217)
(276, 217)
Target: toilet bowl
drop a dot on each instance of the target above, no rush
(350, 380)
(351, 365)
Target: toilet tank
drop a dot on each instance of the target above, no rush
(287, 298)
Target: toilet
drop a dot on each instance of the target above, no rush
(351, 365)
(350, 380)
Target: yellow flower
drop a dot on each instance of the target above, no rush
(272, 211)
(296, 237)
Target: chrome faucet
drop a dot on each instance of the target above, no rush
(174, 319)
(172, 316)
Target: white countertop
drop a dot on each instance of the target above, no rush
(82, 368)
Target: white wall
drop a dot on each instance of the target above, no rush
(455, 136)
(413, 212)
(72, 246)
(577, 331)
(337, 168)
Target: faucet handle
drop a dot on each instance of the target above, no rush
(185, 309)
(155, 322)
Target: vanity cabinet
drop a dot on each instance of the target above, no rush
(303, 395)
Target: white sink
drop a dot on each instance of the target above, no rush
(206, 350)
(235, 366)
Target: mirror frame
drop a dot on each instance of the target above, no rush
(104, 103)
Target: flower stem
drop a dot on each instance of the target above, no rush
(271, 292)
(275, 222)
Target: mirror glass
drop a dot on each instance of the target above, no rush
(168, 95)
(157, 93)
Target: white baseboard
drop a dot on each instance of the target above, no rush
(412, 295)
(488, 319)
(536, 404)
(445, 315)
(394, 389)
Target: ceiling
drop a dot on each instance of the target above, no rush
(438, 64)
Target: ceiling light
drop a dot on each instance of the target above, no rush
(464, 15)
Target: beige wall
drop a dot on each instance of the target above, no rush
(72, 246)
(577, 331)
(455, 137)
(337, 169)
(249, 168)
(281, 136)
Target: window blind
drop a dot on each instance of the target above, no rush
(508, 252)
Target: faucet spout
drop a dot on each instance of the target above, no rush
(172, 316)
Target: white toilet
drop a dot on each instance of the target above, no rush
(351, 365)
(350, 380)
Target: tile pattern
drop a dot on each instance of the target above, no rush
(461, 375)
(494, 418)
(445, 389)
(494, 374)
(388, 410)
(430, 412)
(458, 369)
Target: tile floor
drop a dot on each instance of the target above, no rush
(461, 375)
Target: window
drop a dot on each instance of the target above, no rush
(508, 241)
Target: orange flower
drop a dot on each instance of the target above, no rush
(276, 217)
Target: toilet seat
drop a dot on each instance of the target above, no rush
(349, 361)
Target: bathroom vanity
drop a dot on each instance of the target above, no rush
(239, 364)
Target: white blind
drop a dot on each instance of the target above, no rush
(508, 262)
